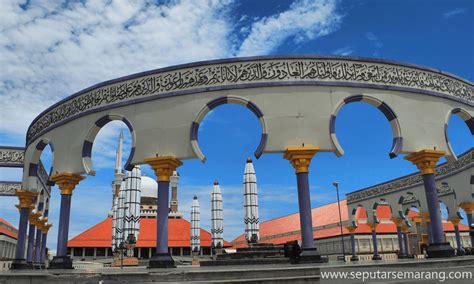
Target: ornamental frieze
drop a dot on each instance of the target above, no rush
(413, 180)
(9, 188)
(261, 71)
(12, 157)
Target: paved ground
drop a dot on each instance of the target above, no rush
(281, 273)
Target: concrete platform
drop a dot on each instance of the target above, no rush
(278, 273)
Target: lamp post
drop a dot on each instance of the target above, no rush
(336, 185)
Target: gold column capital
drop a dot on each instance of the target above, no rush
(455, 220)
(425, 160)
(405, 229)
(397, 221)
(351, 229)
(163, 166)
(34, 218)
(468, 207)
(66, 181)
(44, 227)
(300, 157)
(26, 198)
(425, 216)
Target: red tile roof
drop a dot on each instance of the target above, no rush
(286, 228)
(179, 231)
(8, 229)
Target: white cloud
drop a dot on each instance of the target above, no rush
(304, 20)
(374, 39)
(453, 13)
(344, 51)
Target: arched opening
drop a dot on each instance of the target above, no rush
(366, 134)
(459, 132)
(194, 131)
(88, 144)
(228, 134)
(109, 145)
(388, 113)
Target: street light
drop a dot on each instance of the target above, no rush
(336, 185)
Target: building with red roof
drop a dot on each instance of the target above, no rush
(8, 237)
(327, 231)
(96, 242)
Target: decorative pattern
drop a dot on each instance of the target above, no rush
(12, 156)
(237, 73)
(9, 188)
(466, 160)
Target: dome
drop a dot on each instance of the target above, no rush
(149, 187)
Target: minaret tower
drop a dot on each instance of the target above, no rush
(174, 192)
(217, 229)
(116, 185)
(251, 219)
(195, 227)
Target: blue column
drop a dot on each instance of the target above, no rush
(405, 244)
(43, 247)
(471, 229)
(433, 208)
(31, 241)
(21, 241)
(162, 217)
(306, 219)
(460, 249)
(400, 243)
(354, 249)
(37, 255)
(63, 228)
(376, 255)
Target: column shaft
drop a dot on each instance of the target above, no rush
(400, 242)
(304, 202)
(436, 225)
(63, 229)
(162, 217)
(31, 243)
(37, 256)
(471, 229)
(353, 245)
(43, 247)
(460, 248)
(374, 242)
(405, 244)
(22, 228)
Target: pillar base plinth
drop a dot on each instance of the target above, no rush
(404, 256)
(162, 260)
(376, 257)
(460, 252)
(309, 255)
(61, 262)
(20, 264)
(440, 250)
(354, 258)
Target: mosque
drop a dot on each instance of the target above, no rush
(100, 241)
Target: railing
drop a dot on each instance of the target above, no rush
(5, 265)
(87, 265)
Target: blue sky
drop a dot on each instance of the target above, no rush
(50, 50)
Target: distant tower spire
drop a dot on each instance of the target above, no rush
(116, 186)
(251, 218)
(195, 226)
(174, 192)
(217, 219)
